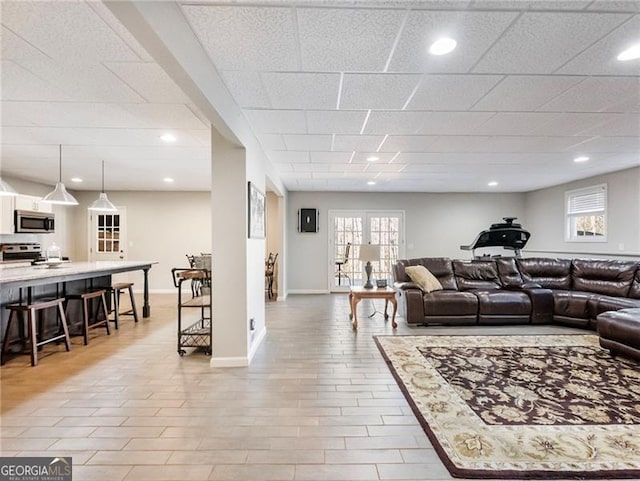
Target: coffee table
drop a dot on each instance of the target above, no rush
(386, 293)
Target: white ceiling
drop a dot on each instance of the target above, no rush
(326, 84)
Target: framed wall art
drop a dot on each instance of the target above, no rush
(257, 227)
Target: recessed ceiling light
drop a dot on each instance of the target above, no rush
(442, 46)
(76, 179)
(371, 182)
(168, 138)
(168, 180)
(493, 183)
(582, 158)
(631, 53)
(373, 158)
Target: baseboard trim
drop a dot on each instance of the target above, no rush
(309, 291)
(240, 361)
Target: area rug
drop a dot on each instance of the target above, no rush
(522, 407)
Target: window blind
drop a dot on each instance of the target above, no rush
(587, 201)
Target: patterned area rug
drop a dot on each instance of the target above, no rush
(522, 407)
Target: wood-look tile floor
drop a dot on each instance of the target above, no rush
(317, 403)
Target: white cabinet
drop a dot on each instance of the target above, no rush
(30, 202)
(6, 214)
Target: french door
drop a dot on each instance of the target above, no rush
(352, 229)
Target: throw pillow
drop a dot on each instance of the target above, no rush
(425, 279)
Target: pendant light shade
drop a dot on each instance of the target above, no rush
(6, 189)
(102, 203)
(59, 195)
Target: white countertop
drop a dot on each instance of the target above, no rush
(10, 274)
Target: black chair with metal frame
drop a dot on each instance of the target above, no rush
(341, 263)
(269, 272)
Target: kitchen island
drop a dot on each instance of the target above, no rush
(23, 284)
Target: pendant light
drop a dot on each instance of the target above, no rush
(6, 189)
(102, 203)
(59, 195)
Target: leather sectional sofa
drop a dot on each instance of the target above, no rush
(518, 291)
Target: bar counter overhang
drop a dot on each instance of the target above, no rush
(23, 284)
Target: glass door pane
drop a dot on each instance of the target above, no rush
(385, 230)
(347, 231)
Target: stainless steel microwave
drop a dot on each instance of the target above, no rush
(32, 222)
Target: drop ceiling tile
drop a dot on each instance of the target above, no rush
(475, 32)
(515, 123)
(525, 92)
(330, 157)
(460, 143)
(377, 91)
(346, 39)
(528, 144)
(12, 114)
(245, 37)
(454, 123)
(86, 82)
(271, 142)
(13, 47)
(384, 168)
(308, 142)
(334, 121)
(316, 91)
(616, 125)
(73, 114)
(531, 44)
(283, 156)
(573, 123)
(20, 84)
(601, 57)
(629, 145)
(596, 94)
(165, 116)
(149, 81)
(283, 167)
(349, 143)
(246, 88)
(347, 168)
(451, 92)
(408, 143)
(277, 121)
(532, 5)
(70, 30)
(383, 157)
(324, 168)
(395, 122)
(616, 5)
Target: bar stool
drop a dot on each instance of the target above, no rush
(85, 297)
(116, 290)
(33, 311)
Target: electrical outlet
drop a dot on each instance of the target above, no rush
(252, 324)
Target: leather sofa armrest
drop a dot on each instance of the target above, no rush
(405, 285)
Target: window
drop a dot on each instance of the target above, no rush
(586, 214)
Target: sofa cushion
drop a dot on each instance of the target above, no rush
(450, 303)
(439, 266)
(503, 302)
(476, 275)
(609, 277)
(572, 304)
(508, 272)
(607, 303)
(423, 278)
(549, 273)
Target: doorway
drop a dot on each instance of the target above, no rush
(108, 235)
(355, 228)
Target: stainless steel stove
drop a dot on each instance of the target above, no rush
(24, 252)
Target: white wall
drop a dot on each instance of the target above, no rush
(545, 210)
(436, 225)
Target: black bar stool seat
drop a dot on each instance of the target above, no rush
(86, 323)
(32, 311)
